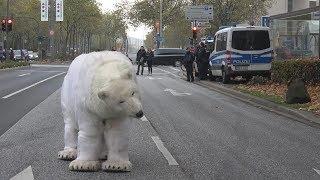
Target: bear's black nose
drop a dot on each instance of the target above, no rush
(139, 114)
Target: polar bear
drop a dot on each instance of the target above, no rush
(99, 97)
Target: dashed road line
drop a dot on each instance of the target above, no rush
(26, 74)
(164, 151)
(144, 119)
(35, 84)
(317, 171)
(26, 174)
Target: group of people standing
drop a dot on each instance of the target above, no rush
(201, 56)
(143, 57)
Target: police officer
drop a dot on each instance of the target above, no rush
(188, 64)
(202, 58)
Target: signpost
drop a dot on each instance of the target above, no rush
(200, 13)
(59, 10)
(44, 10)
(265, 21)
(204, 24)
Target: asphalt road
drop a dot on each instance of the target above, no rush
(189, 132)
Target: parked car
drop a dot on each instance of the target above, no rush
(168, 56)
(33, 55)
(241, 51)
(17, 55)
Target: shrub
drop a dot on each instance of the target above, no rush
(11, 64)
(307, 69)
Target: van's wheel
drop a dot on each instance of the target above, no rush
(177, 64)
(225, 77)
(211, 77)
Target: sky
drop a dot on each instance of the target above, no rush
(139, 32)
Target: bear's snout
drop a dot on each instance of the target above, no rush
(139, 114)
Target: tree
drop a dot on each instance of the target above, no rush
(83, 25)
(177, 30)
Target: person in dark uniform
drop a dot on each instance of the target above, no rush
(150, 56)
(202, 60)
(188, 64)
(141, 58)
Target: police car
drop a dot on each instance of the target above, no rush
(241, 51)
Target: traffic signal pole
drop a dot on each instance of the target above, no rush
(5, 42)
(195, 25)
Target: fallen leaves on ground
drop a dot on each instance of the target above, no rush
(276, 89)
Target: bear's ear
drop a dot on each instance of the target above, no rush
(103, 95)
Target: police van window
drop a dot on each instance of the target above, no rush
(221, 42)
(250, 40)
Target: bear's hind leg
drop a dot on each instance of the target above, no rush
(117, 141)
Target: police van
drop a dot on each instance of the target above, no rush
(241, 51)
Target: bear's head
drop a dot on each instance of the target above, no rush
(122, 97)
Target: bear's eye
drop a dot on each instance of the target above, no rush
(121, 102)
(132, 94)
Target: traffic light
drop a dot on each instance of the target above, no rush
(10, 22)
(194, 32)
(3, 25)
(6, 23)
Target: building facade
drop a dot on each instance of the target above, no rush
(295, 28)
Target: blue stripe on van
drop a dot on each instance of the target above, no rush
(238, 58)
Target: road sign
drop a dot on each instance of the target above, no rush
(265, 21)
(44, 10)
(59, 10)
(199, 13)
(51, 32)
(204, 24)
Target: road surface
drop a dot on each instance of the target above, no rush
(188, 132)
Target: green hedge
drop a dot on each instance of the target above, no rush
(307, 69)
(12, 64)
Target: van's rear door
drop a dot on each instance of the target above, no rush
(253, 42)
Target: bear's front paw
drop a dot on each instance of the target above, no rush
(117, 165)
(82, 165)
(68, 154)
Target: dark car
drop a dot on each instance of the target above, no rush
(168, 56)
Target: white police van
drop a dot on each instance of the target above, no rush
(241, 51)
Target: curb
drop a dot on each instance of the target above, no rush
(15, 68)
(296, 115)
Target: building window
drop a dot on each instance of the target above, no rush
(290, 5)
(312, 3)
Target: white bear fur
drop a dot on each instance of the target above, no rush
(99, 97)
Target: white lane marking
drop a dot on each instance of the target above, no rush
(144, 118)
(168, 72)
(164, 151)
(31, 71)
(19, 91)
(47, 65)
(174, 69)
(318, 171)
(26, 74)
(173, 92)
(151, 78)
(26, 174)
